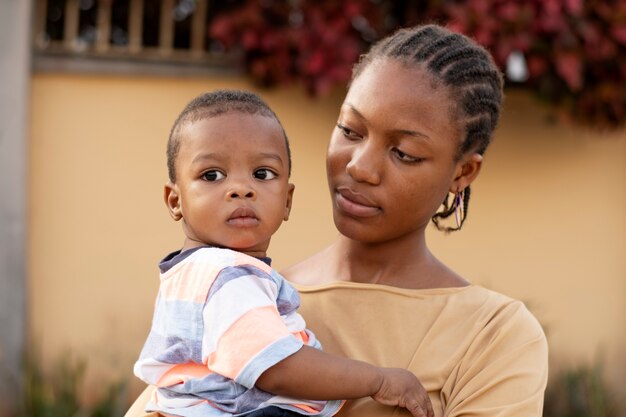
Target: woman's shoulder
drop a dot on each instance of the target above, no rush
(499, 312)
(302, 273)
(311, 271)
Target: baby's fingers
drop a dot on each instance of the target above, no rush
(416, 409)
(429, 408)
(421, 409)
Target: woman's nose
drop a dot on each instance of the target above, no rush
(365, 163)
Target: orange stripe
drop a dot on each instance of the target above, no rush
(198, 278)
(246, 338)
(306, 408)
(302, 335)
(181, 373)
(191, 283)
(241, 259)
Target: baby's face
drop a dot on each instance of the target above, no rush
(232, 181)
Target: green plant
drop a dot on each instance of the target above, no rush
(114, 403)
(581, 392)
(58, 392)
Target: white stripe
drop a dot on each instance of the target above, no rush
(230, 303)
(294, 322)
(150, 370)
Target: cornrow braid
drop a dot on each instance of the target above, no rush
(464, 67)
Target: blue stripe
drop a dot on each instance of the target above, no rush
(171, 349)
(231, 273)
(270, 356)
(178, 318)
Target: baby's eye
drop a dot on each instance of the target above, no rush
(213, 175)
(404, 157)
(347, 132)
(264, 174)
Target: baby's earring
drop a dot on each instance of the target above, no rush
(459, 211)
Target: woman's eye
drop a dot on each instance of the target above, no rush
(347, 132)
(404, 157)
(213, 175)
(264, 174)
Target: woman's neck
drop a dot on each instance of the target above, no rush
(403, 263)
(379, 263)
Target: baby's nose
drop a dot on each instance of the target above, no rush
(241, 191)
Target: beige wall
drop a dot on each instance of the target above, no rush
(547, 223)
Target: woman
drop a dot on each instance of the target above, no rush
(418, 116)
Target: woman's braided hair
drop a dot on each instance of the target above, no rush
(461, 65)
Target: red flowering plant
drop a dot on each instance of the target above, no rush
(571, 52)
(575, 50)
(313, 41)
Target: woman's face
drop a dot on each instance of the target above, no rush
(391, 159)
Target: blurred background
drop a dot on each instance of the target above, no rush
(89, 90)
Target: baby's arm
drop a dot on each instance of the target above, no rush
(316, 375)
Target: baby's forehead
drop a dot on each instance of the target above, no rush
(250, 124)
(231, 118)
(232, 126)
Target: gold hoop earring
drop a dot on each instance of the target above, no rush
(459, 212)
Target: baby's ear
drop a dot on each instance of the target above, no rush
(289, 201)
(172, 200)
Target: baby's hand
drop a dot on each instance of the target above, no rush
(401, 388)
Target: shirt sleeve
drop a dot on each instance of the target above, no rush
(244, 334)
(504, 372)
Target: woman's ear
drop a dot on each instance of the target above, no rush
(289, 201)
(172, 200)
(466, 172)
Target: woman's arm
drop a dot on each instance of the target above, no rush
(138, 407)
(504, 372)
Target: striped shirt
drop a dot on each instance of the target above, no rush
(221, 319)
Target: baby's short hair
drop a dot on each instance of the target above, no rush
(213, 104)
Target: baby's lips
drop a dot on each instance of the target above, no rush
(242, 212)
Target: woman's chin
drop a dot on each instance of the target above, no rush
(355, 229)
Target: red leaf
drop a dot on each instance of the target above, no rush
(575, 7)
(569, 67)
(508, 11)
(536, 66)
(315, 64)
(249, 40)
(619, 33)
(222, 29)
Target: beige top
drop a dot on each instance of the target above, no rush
(477, 352)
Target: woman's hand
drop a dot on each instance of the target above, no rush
(401, 388)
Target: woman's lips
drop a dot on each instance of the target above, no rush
(355, 204)
(243, 217)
